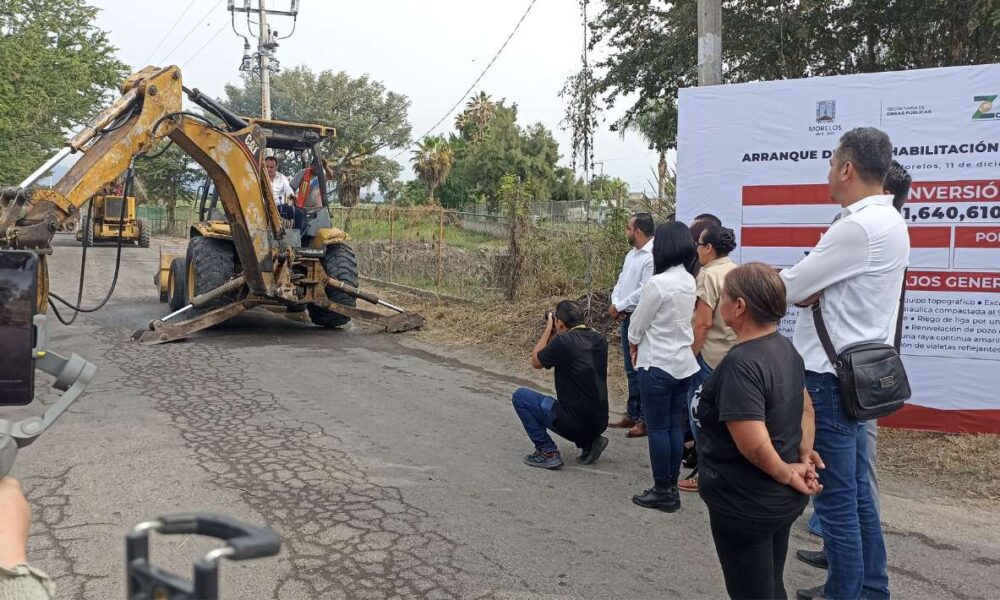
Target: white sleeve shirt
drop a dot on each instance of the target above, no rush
(280, 188)
(858, 265)
(661, 324)
(637, 270)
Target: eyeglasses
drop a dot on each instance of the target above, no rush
(704, 244)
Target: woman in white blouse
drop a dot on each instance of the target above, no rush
(660, 335)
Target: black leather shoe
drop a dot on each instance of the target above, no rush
(815, 593)
(666, 500)
(814, 558)
(592, 452)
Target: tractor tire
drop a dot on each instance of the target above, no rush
(87, 232)
(144, 233)
(339, 263)
(177, 285)
(209, 264)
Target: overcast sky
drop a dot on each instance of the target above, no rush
(429, 50)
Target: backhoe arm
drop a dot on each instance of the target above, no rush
(148, 111)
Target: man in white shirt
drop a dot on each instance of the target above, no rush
(857, 269)
(635, 273)
(280, 188)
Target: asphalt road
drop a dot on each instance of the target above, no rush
(390, 468)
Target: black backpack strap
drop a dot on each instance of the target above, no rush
(899, 317)
(824, 335)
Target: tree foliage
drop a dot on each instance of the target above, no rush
(367, 117)
(488, 149)
(168, 178)
(56, 70)
(432, 161)
(652, 46)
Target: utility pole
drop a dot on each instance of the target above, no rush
(267, 43)
(265, 61)
(709, 42)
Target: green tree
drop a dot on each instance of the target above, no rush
(432, 161)
(168, 178)
(482, 158)
(652, 46)
(367, 117)
(57, 70)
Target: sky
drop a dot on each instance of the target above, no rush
(429, 50)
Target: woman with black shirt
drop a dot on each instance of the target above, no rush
(756, 433)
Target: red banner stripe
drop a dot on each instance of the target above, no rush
(807, 237)
(784, 195)
(947, 281)
(977, 237)
(921, 192)
(912, 416)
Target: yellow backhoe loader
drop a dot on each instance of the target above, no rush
(250, 258)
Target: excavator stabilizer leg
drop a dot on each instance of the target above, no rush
(161, 333)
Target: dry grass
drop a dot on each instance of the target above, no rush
(965, 466)
(961, 467)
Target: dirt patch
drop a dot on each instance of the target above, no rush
(960, 467)
(963, 465)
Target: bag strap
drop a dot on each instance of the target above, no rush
(898, 342)
(824, 334)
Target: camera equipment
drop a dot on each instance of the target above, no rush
(147, 582)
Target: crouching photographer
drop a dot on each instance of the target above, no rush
(579, 412)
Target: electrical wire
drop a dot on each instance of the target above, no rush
(203, 46)
(183, 39)
(169, 31)
(129, 183)
(474, 83)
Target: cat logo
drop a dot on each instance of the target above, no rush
(251, 144)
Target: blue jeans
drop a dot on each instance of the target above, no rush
(696, 382)
(872, 430)
(536, 414)
(634, 407)
(852, 532)
(664, 401)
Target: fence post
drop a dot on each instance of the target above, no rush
(440, 247)
(392, 223)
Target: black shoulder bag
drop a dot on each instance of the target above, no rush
(872, 379)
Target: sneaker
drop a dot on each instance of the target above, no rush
(544, 460)
(592, 452)
(688, 485)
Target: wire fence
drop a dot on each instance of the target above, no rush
(160, 220)
(470, 254)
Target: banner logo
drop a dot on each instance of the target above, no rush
(985, 109)
(826, 111)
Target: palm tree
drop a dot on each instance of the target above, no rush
(479, 112)
(432, 162)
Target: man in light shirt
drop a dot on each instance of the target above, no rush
(635, 273)
(280, 188)
(857, 269)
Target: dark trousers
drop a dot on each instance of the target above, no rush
(752, 554)
(634, 406)
(296, 214)
(664, 400)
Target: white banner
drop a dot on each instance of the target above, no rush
(757, 155)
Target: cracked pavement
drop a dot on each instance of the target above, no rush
(391, 470)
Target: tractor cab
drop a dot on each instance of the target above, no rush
(298, 147)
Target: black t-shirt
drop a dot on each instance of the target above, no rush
(759, 380)
(580, 357)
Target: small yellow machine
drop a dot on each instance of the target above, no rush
(109, 217)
